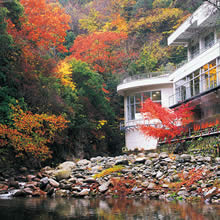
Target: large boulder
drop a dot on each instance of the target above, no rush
(62, 174)
(68, 165)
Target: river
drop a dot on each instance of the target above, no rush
(104, 209)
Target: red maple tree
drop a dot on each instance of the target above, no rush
(43, 24)
(164, 123)
(102, 50)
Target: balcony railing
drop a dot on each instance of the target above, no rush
(197, 53)
(127, 79)
(190, 90)
(136, 123)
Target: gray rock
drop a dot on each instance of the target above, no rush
(89, 180)
(72, 180)
(217, 160)
(183, 193)
(151, 186)
(159, 174)
(168, 160)
(207, 159)
(148, 162)
(145, 184)
(153, 155)
(174, 178)
(140, 160)
(163, 163)
(186, 157)
(121, 162)
(84, 192)
(83, 162)
(163, 155)
(104, 187)
(28, 191)
(218, 173)
(199, 158)
(44, 181)
(165, 186)
(210, 192)
(14, 184)
(136, 189)
(53, 183)
(20, 193)
(154, 195)
(62, 193)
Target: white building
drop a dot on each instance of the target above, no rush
(197, 80)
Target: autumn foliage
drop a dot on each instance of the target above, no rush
(101, 50)
(164, 123)
(31, 133)
(43, 23)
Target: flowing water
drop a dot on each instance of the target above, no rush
(109, 209)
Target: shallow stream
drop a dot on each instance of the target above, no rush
(104, 209)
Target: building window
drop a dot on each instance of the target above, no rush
(181, 90)
(199, 81)
(209, 40)
(209, 76)
(194, 50)
(134, 102)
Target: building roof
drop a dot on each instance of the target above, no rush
(204, 17)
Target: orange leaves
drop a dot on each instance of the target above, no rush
(31, 133)
(105, 90)
(44, 25)
(197, 127)
(168, 123)
(101, 50)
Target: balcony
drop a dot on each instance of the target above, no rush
(142, 80)
(198, 59)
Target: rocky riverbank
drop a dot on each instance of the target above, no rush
(156, 176)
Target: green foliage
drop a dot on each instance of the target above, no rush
(161, 3)
(15, 10)
(89, 86)
(190, 5)
(69, 39)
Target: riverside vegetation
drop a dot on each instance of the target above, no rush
(155, 176)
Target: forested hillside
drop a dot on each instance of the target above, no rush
(60, 63)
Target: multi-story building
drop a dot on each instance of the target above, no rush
(197, 79)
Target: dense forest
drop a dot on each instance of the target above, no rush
(60, 64)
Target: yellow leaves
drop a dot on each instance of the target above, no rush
(158, 17)
(109, 171)
(92, 23)
(117, 24)
(31, 133)
(101, 123)
(64, 73)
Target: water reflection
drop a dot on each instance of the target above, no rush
(104, 209)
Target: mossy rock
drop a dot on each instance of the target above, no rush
(62, 174)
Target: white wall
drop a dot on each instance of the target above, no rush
(135, 139)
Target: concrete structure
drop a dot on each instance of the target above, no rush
(196, 80)
(135, 90)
